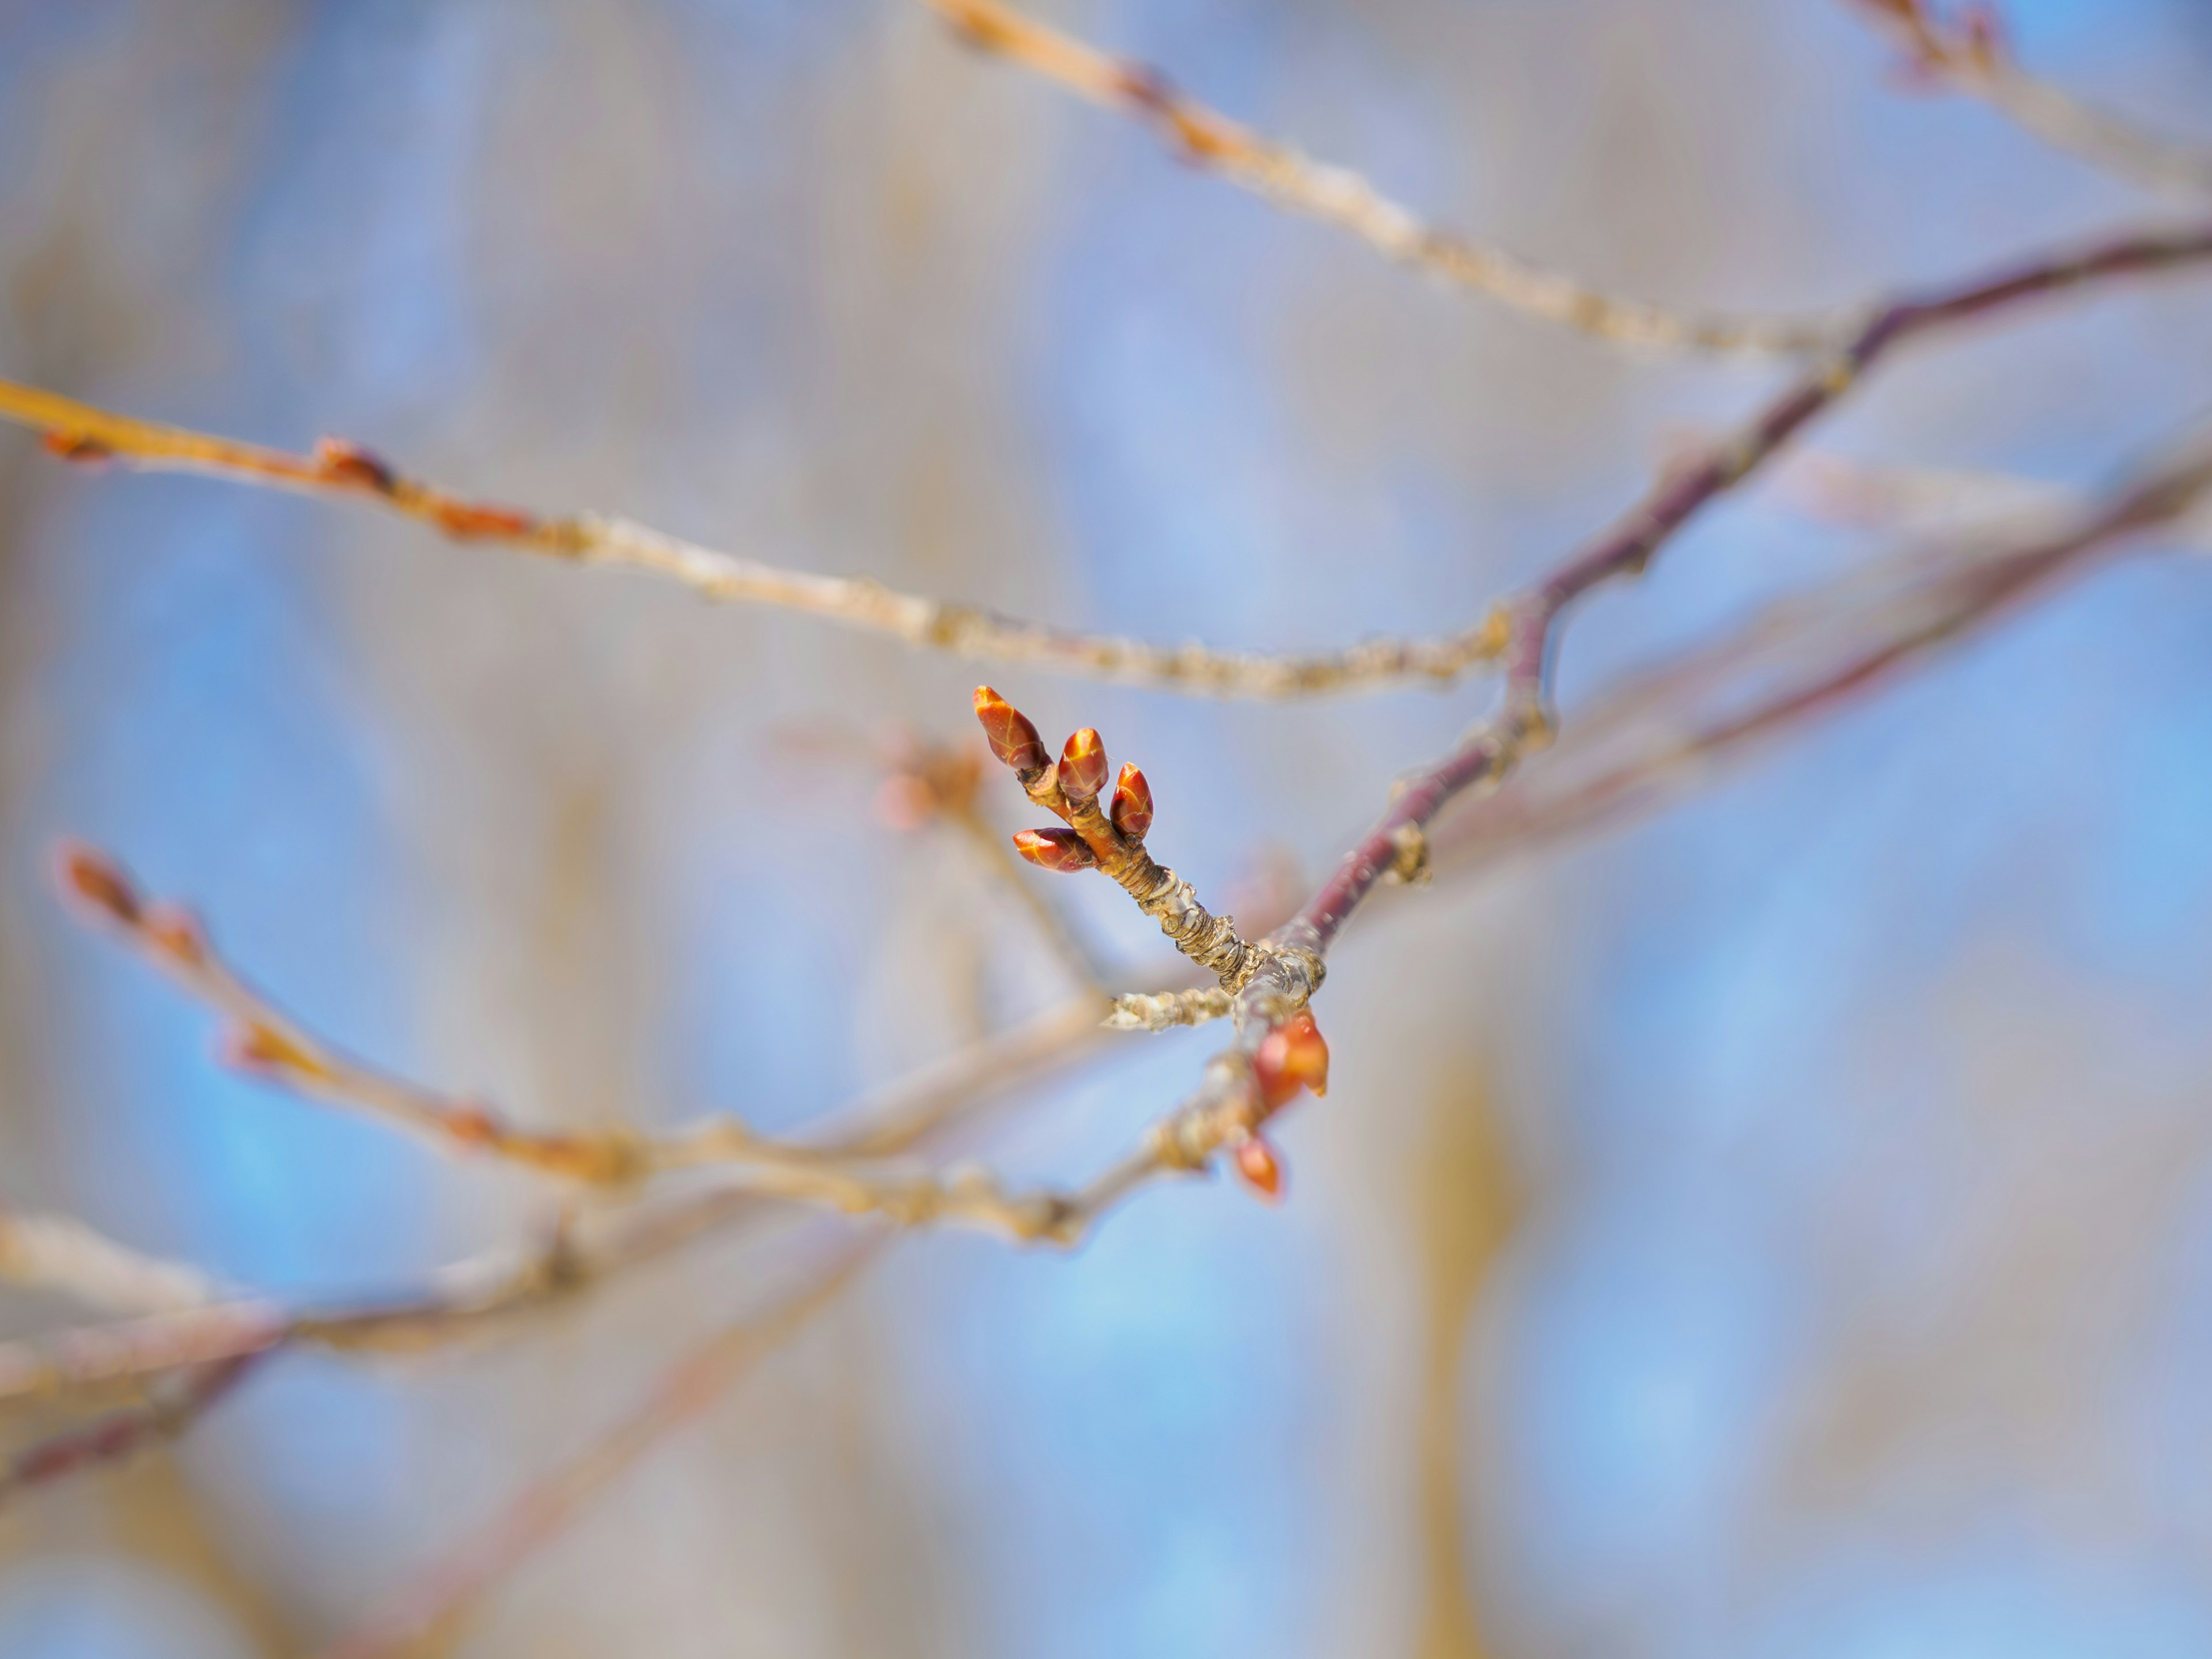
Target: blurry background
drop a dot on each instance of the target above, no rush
(1785, 1227)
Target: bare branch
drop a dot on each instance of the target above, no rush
(81, 432)
(1334, 195)
(1968, 53)
(439, 1606)
(55, 1253)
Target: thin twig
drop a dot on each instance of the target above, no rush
(1968, 54)
(1281, 174)
(437, 1606)
(81, 433)
(57, 1253)
(1809, 655)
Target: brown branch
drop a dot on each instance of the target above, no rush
(1281, 174)
(81, 433)
(183, 1399)
(1807, 657)
(1535, 617)
(1968, 53)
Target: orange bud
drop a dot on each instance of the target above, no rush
(76, 447)
(175, 932)
(1014, 739)
(1132, 811)
(1262, 1170)
(1083, 766)
(1053, 849)
(1292, 1056)
(255, 1048)
(100, 882)
(344, 463)
(471, 521)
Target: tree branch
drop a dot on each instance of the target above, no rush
(1282, 175)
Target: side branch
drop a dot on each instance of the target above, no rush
(1969, 55)
(1536, 617)
(1282, 175)
(79, 432)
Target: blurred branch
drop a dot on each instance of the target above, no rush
(81, 432)
(55, 1253)
(1654, 736)
(181, 1401)
(434, 1610)
(1969, 54)
(1535, 618)
(1334, 195)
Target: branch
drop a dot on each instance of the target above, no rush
(1969, 55)
(438, 1606)
(81, 433)
(54, 1253)
(265, 1042)
(1806, 657)
(1536, 617)
(184, 1399)
(1282, 175)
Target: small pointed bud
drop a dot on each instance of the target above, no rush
(255, 1047)
(175, 932)
(100, 882)
(1083, 766)
(478, 522)
(1053, 849)
(1292, 1056)
(1014, 739)
(76, 447)
(348, 463)
(1262, 1171)
(1132, 812)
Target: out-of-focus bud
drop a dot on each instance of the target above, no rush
(255, 1047)
(76, 447)
(344, 463)
(1292, 1056)
(175, 932)
(1012, 739)
(1053, 849)
(100, 882)
(905, 802)
(1132, 811)
(1262, 1171)
(1082, 766)
(475, 521)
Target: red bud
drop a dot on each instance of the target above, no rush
(1083, 766)
(1262, 1170)
(100, 882)
(1014, 739)
(1292, 1056)
(1132, 811)
(1053, 849)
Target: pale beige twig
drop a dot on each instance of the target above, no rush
(82, 433)
(57, 1253)
(1282, 175)
(1966, 53)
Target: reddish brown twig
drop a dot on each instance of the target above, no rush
(182, 1399)
(450, 1592)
